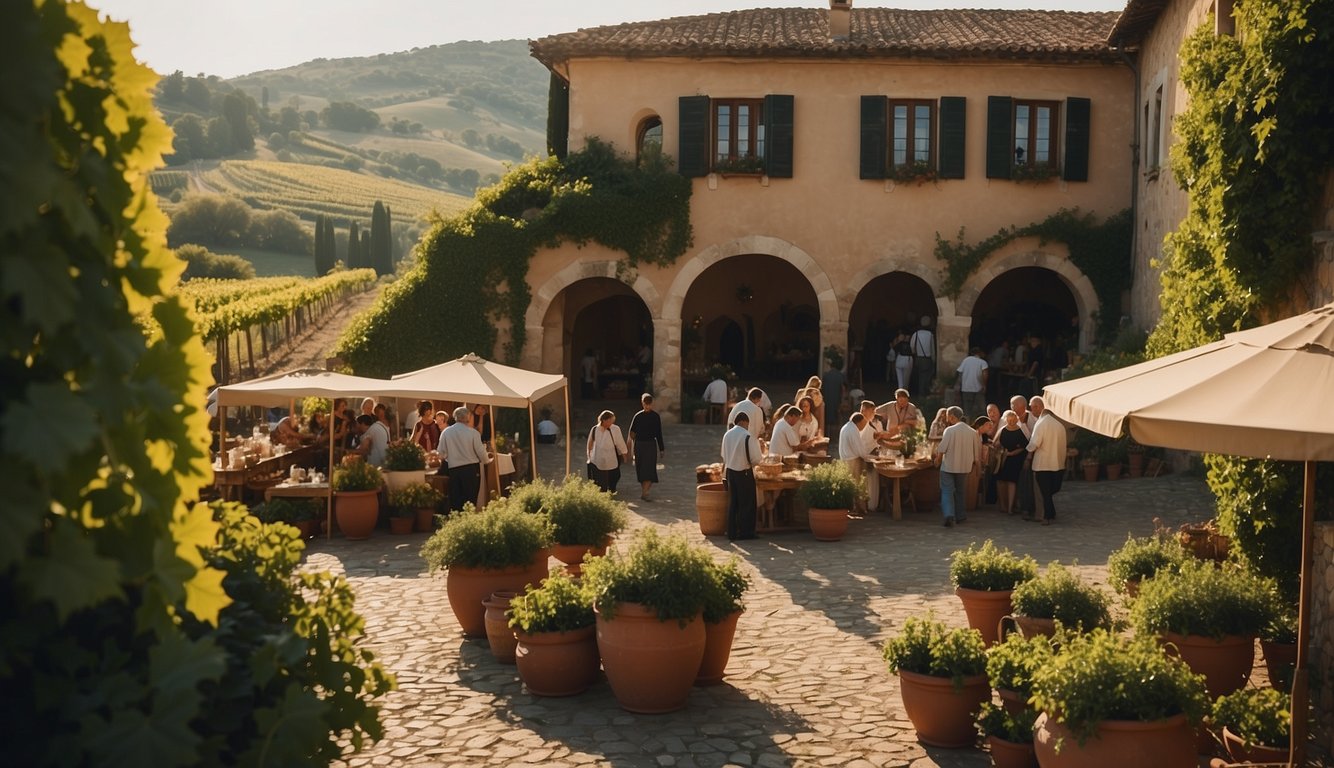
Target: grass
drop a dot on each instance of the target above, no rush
(273, 263)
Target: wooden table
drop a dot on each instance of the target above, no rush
(766, 517)
(889, 468)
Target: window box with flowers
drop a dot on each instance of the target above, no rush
(1035, 172)
(918, 172)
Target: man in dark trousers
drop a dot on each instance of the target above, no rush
(462, 455)
(739, 456)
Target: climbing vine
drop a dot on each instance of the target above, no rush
(1252, 147)
(472, 271)
(1101, 251)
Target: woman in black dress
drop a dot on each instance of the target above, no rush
(646, 444)
(1012, 441)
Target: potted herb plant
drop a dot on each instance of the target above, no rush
(722, 609)
(1059, 596)
(1113, 457)
(557, 651)
(302, 514)
(583, 520)
(984, 578)
(1142, 558)
(414, 504)
(650, 628)
(1008, 735)
(1278, 644)
(404, 463)
(1011, 664)
(830, 491)
(1135, 456)
(1110, 702)
(1254, 723)
(942, 679)
(496, 549)
(356, 487)
(1209, 616)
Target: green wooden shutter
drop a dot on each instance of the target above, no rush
(953, 111)
(1000, 136)
(1076, 139)
(693, 145)
(778, 126)
(558, 117)
(875, 136)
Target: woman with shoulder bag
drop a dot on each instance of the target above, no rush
(606, 452)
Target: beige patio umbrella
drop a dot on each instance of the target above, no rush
(1260, 393)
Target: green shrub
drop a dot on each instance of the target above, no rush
(928, 647)
(532, 496)
(284, 510)
(582, 513)
(1059, 594)
(729, 583)
(1100, 676)
(500, 536)
(414, 496)
(201, 262)
(1256, 716)
(404, 456)
(991, 569)
(1140, 559)
(559, 605)
(996, 721)
(1201, 599)
(667, 574)
(830, 486)
(356, 476)
(1011, 664)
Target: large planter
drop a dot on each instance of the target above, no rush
(468, 587)
(573, 554)
(1255, 753)
(926, 487)
(356, 513)
(557, 663)
(1280, 660)
(1113, 471)
(425, 520)
(1226, 664)
(828, 524)
(400, 479)
(711, 506)
(650, 664)
(1011, 754)
(1136, 464)
(401, 526)
(309, 528)
(1090, 472)
(718, 639)
(985, 609)
(498, 633)
(942, 715)
(1168, 743)
(1032, 627)
(1013, 702)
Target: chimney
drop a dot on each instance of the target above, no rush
(840, 20)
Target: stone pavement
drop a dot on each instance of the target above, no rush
(806, 685)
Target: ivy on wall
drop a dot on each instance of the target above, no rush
(1253, 145)
(1101, 251)
(472, 270)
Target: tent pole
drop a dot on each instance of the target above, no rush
(328, 501)
(222, 435)
(532, 443)
(1300, 683)
(568, 433)
(495, 464)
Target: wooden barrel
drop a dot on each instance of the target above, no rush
(926, 488)
(711, 506)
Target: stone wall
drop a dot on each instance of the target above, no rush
(1322, 641)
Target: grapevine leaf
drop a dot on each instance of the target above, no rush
(204, 595)
(72, 575)
(20, 517)
(28, 432)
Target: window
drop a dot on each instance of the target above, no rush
(738, 135)
(648, 142)
(912, 139)
(911, 127)
(1156, 137)
(1035, 133)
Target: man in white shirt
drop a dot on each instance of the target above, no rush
(958, 456)
(606, 451)
(374, 439)
(785, 441)
(900, 414)
(1027, 498)
(873, 431)
(461, 458)
(754, 413)
(716, 392)
(740, 453)
(923, 346)
(1047, 447)
(852, 447)
(973, 383)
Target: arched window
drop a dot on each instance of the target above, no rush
(648, 141)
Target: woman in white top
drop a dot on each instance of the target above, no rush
(808, 427)
(606, 451)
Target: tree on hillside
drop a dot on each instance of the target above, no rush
(173, 86)
(216, 220)
(289, 119)
(320, 271)
(331, 237)
(198, 94)
(219, 137)
(381, 252)
(364, 252)
(234, 112)
(346, 116)
(191, 142)
(278, 231)
(389, 236)
(353, 241)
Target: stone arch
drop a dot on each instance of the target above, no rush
(760, 245)
(582, 270)
(636, 124)
(1086, 298)
(876, 269)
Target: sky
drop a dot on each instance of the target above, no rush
(237, 37)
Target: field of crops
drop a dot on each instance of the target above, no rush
(164, 182)
(309, 191)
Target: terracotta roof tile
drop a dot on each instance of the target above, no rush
(875, 32)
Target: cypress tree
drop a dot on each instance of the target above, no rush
(380, 255)
(321, 263)
(365, 250)
(389, 229)
(353, 244)
(330, 244)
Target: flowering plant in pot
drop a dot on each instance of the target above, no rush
(941, 677)
(649, 603)
(1011, 665)
(1108, 701)
(500, 548)
(404, 463)
(1059, 596)
(1278, 643)
(722, 609)
(1142, 558)
(1209, 616)
(830, 491)
(583, 519)
(557, 653)
(356, 487)
(984, 579)
(1008, 734)
(1255, 724)
(409, 502)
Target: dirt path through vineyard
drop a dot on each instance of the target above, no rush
(316, 344)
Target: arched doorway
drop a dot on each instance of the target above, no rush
(606, 317)
(1020, 304)
(889, 304)
(754, 312)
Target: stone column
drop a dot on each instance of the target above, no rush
(951, 343)
(667, 367)
(832, 332)
(532, 355)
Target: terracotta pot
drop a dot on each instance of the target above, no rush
(985, 609)
(401, 525)
(942, 715)
(468, 587)
(1226, 664)
(1136, 464)
(1113, 471)
(1165, 743)
(557, 663)
(1255, 753)
(700, 417)
(498, 633)
(717, 649)
(1090, 472)
(650, 664)
(573, 554)
(356, 513)
(1032, 627)
(307, 528)
(711, 506)
(425, 521)
(1280, 661)
(1014, 702)
(828, 524)
(1011, 754)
